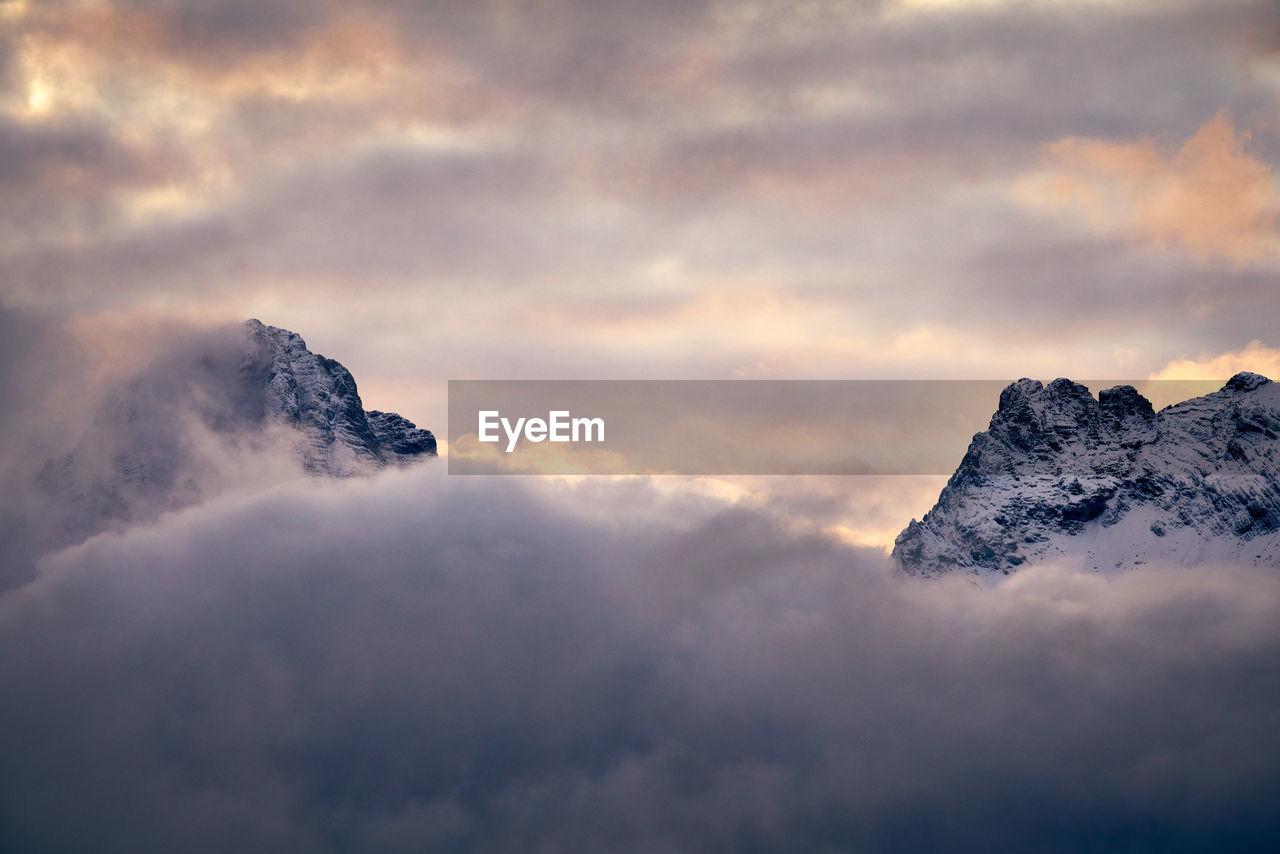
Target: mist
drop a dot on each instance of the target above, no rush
(114, 421)
(420, 662)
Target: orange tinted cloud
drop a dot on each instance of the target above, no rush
(1255, 356)
(1211, 196)
(290, 58)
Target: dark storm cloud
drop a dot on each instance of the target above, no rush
(473, 666)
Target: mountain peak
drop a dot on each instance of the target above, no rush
(1246, 381)
(318, 396)
(183, 429)
(1058, 474)
(1124, 399)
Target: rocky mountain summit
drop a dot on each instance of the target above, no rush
(318, 396)
(239, 406)
(1109, 482)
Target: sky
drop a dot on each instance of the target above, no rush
(667, 189)
(557, 189)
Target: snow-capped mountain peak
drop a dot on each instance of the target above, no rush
(319, 397)
(247, 404)
(1109, 482)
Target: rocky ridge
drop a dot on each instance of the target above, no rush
(244, 405)
(1109, 483)
(318, 396)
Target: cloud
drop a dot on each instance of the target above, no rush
(486, 665)
(801, 170)
(214, 43)
(114, 419)
(1210, 197)
(1255, 357)
(627, 190)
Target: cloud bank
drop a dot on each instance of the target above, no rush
(479, 665)
(650, 190)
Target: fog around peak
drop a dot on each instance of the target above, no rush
(482, 664)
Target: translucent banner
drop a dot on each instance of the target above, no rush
(727, 427)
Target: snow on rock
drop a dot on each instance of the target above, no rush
(242, 406)
(318, 396)
(1109, 483)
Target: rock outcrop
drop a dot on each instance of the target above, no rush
(1109, 482)
(239, 406)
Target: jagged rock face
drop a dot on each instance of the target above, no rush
(398, 437)
(318, 396)
(241, 406)
(1109, 482)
